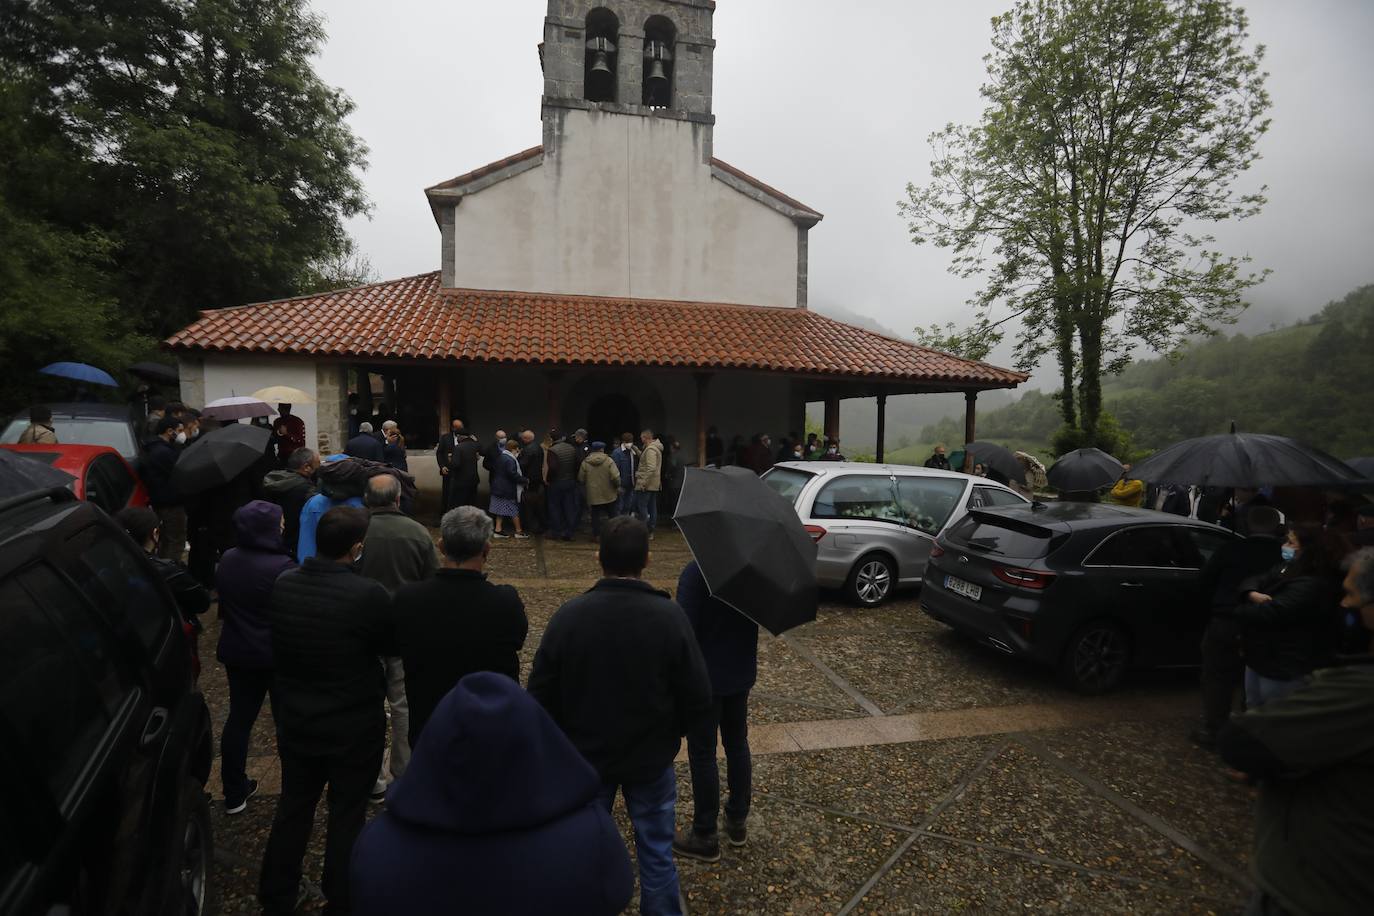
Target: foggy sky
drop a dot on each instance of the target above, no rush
(832, 103)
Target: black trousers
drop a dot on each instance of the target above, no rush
(248, 687)
(730, 716)
(1223, 670)
(350, 776)
(599, 512)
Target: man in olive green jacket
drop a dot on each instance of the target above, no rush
(649, 480)
(601, 479)
(1314, 752)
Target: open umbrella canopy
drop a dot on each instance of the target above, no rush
(236, 409)
(1084, 470)
(80, 372)
(283, 394)
(219, 456)
(21, 473)
(751, 546)
(155, 372)
(1244, 460)
(997, 458)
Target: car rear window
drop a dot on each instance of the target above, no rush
(788, 482)
(82, 431)
(1002, 537)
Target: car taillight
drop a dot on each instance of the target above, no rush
(816, 532)
(937, 551)
(1026, 578)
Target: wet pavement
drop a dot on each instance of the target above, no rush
(899, 769)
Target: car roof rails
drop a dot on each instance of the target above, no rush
(56, 494)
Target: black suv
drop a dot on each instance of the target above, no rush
(104, 737)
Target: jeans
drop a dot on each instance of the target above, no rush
(562, 508)
(247, 689)
(604, 510)
(1223, 670)
(626, 504)
(729, 715)
(400, 722)
(650, 806)
(646, 507)
(349, 776)
(1260, 689)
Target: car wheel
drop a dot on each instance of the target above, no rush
(871, 581)
(1096, 657)
(190, 886)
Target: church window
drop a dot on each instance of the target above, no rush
(603, 31)
(660, 39)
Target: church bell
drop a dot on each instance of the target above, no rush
(657, 78)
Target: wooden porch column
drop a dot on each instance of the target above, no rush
(703, 382)
(554, 379)
(445, 402)
(882, 427)
(832, 417)
(970, 416)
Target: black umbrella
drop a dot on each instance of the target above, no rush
(995, 458)
(219, 456)
(1083, 470)
(1244, 460)
(155, 372)
(751, 546)
(22, 473)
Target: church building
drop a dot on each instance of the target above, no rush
(615, 277)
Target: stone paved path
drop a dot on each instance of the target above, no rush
(901, 769)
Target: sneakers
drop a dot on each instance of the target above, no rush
(693, 845)
(236, 806)
(736, 832)
(521, 535)
(498, 534)
(379, 791)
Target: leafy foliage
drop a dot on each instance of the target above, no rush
(1112, 132)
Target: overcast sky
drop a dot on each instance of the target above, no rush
(833, 104)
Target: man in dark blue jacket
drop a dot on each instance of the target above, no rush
(729, 642)
(497, 813)
(365, 445)
(619, 670)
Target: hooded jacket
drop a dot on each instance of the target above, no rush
(601, 478)
(291, 491)
(245, 578)
(1314, 827)
(496, 813)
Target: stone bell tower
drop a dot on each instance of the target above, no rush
(644, 58)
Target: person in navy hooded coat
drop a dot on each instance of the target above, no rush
(497, 813)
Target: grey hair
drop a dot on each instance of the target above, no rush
(390, 424)
(465, 531)
(300, 458)
(382, 490)
(364, 427)
(1362, 563)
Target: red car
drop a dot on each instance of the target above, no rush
(102, 475)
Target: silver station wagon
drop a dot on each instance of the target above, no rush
(875, 524)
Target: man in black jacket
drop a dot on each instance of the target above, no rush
(456, 622)
(329, 627)
(534, 507)
(365, 445)
(620, 671)
(1223, 668)
(456, 455)
(290, 488)
(159, 459)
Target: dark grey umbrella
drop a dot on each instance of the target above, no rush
(1083, 470)
(1244, 460)
(22, 473)
(751, 546)
(996, 458)
(219, 456)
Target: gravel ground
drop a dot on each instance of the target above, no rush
(972, 824)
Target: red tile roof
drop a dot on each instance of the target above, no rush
(414, 318)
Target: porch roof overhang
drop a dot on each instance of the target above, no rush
(416, 320)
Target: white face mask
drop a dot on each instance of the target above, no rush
(181, 438)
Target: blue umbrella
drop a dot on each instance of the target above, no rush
(81, 373)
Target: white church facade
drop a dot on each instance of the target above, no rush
(616, 276)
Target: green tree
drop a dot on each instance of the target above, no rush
(1112, 136)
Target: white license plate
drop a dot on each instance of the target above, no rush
(967, 589)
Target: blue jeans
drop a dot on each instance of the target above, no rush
(646, 508)
(248, 687)
(1260, 689)
(625, 505)
(650, 806)
(562, 508)
(729, 715)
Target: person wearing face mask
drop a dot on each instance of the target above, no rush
(329, 626)
(159, 459)
(832, 451)
(798, 452)
(143, 526)
(626, 460)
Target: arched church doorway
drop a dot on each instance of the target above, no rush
(610, 415)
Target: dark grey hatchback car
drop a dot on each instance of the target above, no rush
(1091, 589)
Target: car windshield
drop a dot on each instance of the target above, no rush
(82, 431)
(1002, 537)
(788, 482)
